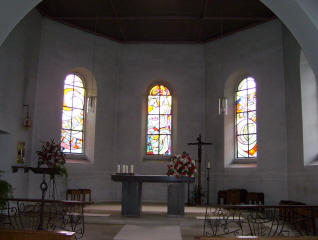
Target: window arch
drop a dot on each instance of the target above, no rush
(245, 119)
(309, 104)
(159, 121)
(72, 132)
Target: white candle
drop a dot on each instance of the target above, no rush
(127, 169)
(118, 168)
(209, 165)
(123, 169)
(131, 168)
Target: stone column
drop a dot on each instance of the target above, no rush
(176, 199)
(131, 198)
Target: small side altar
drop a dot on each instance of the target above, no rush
(45, 170)
(132, 192)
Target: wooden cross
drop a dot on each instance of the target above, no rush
(199, 143)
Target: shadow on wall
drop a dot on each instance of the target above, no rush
(5, 138)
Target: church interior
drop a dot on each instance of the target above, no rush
(200, 51)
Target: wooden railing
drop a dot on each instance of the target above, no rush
(51, 215)
(17, 234)
(260, 220)
(254, 238)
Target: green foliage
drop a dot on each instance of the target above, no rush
(197, 193)
(6, 191)
(63, 173)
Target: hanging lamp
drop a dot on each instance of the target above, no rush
(91, 99)
(223, 99)
(27, 122)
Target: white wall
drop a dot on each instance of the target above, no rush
(123, 72)
(301, 105)
(300, 17)
(257, 52)
(64, 48)
(309, 106)
(18, 70)
(12, 11)
(182, 68)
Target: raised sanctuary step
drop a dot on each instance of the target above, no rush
(96, 217)
(152, 214)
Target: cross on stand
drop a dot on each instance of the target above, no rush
(199, 143)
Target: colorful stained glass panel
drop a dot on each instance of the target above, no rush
(246, 121)
(158, 144)
(73, 115)
(159, 121)
(159, 90)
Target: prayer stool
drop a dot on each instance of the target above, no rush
(222, 194)
(290, 215)
(255, 198)
(75, 194)
(236, 196)
(84, 192)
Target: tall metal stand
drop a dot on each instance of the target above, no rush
(208, 189)
(43, 187)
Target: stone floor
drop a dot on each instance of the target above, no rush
(103, 220)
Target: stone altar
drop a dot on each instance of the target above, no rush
(132, 192)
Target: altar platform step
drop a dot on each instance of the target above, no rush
(110, 213)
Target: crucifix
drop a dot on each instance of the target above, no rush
(199, 143)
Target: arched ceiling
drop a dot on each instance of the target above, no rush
(158, 21)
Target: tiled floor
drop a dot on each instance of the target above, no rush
(104, 221)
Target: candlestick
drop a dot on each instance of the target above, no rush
(208, 188)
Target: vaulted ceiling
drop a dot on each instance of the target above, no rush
(158, 21)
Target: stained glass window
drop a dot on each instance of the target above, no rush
(159, 119)
(73, 114)
(246, 121)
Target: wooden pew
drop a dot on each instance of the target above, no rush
(255, 237)
(18, 234)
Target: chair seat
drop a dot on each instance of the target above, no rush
(255, 198)
(75, 194)
(79, 194)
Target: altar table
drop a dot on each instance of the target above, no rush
(132, 192)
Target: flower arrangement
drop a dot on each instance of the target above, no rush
(51, 154)
(6, 191)
(182, 165)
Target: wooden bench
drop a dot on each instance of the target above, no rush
(255, 198)
(85, 192)
(236, 196)
(75, 194)
(255, 237)
(222, 195)
(295, 215)
(240, 196)
(79, 194)
(18, 234)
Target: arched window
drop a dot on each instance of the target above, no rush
(309, 102)
(159, 119)
(72, 132)
(246, 121)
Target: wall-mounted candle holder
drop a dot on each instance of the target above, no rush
(20, 152)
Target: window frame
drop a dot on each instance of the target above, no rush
(89, 128)
(83, 109)
(237, 158)
(229, 152)
(173, 130)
